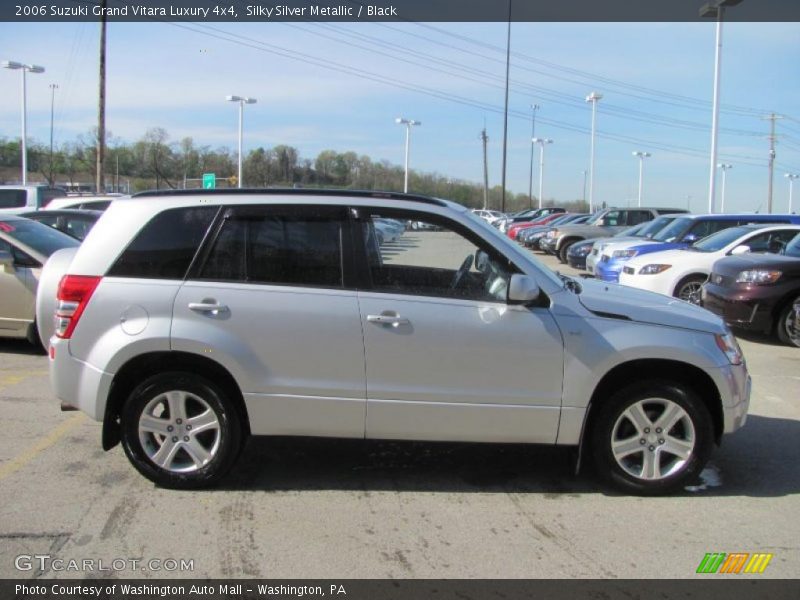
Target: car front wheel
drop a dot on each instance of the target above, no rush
(652, 437)
(788, 326)
(181, 431)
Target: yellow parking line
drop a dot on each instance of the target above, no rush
(19, 377)
(15, 464)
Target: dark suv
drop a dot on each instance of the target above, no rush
(759, 292)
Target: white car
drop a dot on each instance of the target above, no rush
(681, 272)
(84, 202)
(490, 216)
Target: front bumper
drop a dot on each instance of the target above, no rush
(735, 388)
(744, 310)
(608, 270)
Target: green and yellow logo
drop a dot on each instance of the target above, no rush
(734, 563)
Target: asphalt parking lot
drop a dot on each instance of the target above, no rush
(352, 509)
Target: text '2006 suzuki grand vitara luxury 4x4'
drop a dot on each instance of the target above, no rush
(187, 321)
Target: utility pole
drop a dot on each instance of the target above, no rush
(100, 184)
(534, 108)
(484, 139)
(505, 112)
(772, 118)
(53, 88)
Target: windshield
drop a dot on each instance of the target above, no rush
(595, 217)
(563, 219)
(793, 247)
(634, 230)
(656, 225)
(45, 240)
(717, 241)
(673, 231)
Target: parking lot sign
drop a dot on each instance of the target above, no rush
(209, 181)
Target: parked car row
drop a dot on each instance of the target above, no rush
(701, 259)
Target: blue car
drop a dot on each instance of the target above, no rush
(682, 232)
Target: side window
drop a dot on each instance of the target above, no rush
(426, 257)
(166, 245)
(47, 194)
(614, 218)
(47, 220)
(78, 228)
(12, 198)
(279, 245)
(773, 241)
(702, 229)
(638, 216)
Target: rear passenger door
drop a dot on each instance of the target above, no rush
(271, 297)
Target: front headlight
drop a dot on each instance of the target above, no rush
(553, 233)
(625, 254)
(653, 269)
(730, 348)
(580, 250)
(758, 276)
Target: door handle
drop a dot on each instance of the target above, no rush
(207, 307)
(393, 320)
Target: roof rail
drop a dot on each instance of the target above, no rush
(294, 192)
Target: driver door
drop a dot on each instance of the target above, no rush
(446, 357)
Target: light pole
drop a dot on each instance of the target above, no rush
(242, 100)
(583, 196)
(791, 177)
(724, 167)
(53, 88)
(409, 123)
(593, 98)
(542, 142)
(641, 156)
(715, 9)
(534, 108)
(10, 64)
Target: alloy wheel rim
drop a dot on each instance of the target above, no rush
(791, 325)
(691, 292)
(179, 431)
(653, 439)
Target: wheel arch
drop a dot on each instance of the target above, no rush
(663, 369)
(686, 277)
(136, 369)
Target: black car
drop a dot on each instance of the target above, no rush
(758, 292)
(73, 222)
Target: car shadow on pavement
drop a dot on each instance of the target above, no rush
(280, 464)
(18, 346)
(758, 461)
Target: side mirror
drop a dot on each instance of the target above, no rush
(740, 250)
(691, 238)
(6, 262)
(522, 289)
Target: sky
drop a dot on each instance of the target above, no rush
(340, 86)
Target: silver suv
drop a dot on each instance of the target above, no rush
(188, 321)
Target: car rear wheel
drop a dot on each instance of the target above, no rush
(689, 289)
(181, 431)
(788, 326)
(652, 438)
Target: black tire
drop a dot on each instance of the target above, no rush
(562, 252)
(611, 422)
(785, 327)
(225, 448)
(32, 335)
(688, 288)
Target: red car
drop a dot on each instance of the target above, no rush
(514, 230)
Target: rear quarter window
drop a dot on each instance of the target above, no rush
(13, 198)
(165, 247)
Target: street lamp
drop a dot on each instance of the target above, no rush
(242, 100)
(791, 177)
(541, 142)
(534, 108)
(593, 98)
(10, 64)
(409, 123)
(715, 10)
(641, 156)
(724, 168)
(53, 88)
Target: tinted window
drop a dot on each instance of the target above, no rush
(12, 198)
(635, 217)
(164, 247)
(703, 228)
(290, 246)
(47, 194)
